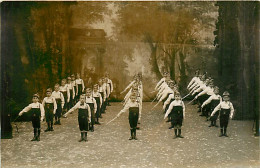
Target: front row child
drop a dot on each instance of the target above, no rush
(50, 106)
(134, 108)
(176, 111)
(37, 116)
(226, 111)
(90, 100)
(84, 116)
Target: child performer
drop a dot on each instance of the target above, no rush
(177, 112)
(50, 106)
(72, 93)
(75, 88)
(93, 107)
(37, 116)
(226, 111)
(134, 108)
(84, 115)
(66, 94)
(80, 85)
(97, 96)
(212, 102)
(60, 103)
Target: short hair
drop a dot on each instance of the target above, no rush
(48, 90)
(36, 95)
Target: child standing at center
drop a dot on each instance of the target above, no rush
(176, 111)
(84, 117)
(134, 107)
(50, 106)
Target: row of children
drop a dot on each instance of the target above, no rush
(62, 100)
(210, 103)
(133, 103)
(173, 106)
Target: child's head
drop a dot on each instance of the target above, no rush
(72, 77)
(78, 75)
(95, 88)
(107, 75)
(104, 80)
(203, 77)
(100, 82)
(226, 96)
(82, 98)
(57, 87)
(171, 84)
(88, 92)
(35, 98)
(133, 97)
(69, 79)
(63, 82)
(211, 84)
(177, 96)
(197, 72)
(216, 90)
(165, 74)
(48, 92)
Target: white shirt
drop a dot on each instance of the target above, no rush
(110, 81)
(224, 105)
(101, 89)
(65, 88)
(92, 100)
(192, 81)
(70, 87)
(175, 103)
(208, 91)
(79, 106)
(34, 105)
(212, 97)
(58, 95)
(50, 100)
(97, 94)
(171, 96)
(130, 104)
(159, 83)
(80, 81)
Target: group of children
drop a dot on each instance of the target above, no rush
(173, 105)
(210, 103)
(204, 93)
(71, 95)
(92, 102)
(133, 103)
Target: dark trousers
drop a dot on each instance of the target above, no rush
(223, 120)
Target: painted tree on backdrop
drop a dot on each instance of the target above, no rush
(170, 27)
(37, 50)
(237, 32)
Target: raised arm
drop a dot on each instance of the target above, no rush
(26, 109)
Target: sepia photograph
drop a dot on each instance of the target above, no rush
(130, 84)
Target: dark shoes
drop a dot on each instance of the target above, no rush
(81, 139)
(34, 139)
